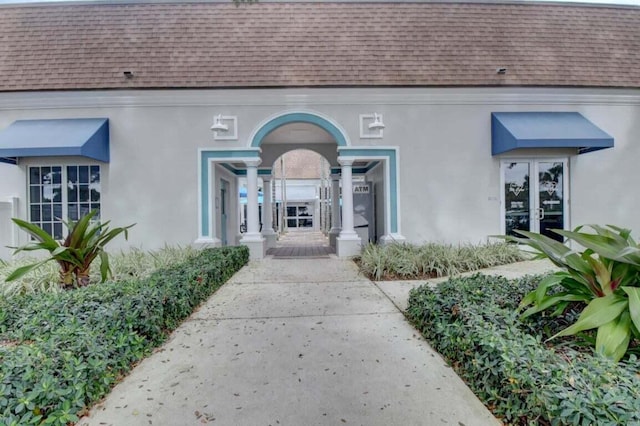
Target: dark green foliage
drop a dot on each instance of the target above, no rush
(59, 353)
(473, 322)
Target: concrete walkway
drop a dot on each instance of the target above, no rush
(294, 342)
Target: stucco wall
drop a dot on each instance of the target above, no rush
(449, 182)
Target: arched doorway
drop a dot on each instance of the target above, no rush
(300, 130)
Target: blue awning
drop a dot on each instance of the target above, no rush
(85, 137)
(513, 130)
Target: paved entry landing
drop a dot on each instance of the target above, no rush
(301, 243)
(294, 343)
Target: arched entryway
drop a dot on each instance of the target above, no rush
(282, 133)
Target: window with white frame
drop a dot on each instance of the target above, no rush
(59, 193)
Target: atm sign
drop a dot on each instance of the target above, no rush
(360, 189)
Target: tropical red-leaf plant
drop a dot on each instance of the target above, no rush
(605, 276)
(84, 243)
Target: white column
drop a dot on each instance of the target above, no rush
(252, 238)
(267, 212)
(335, 209)
(347, 199)
(348, 243)
(253, 225)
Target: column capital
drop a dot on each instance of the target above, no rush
(253, 162)
(335, 176)
(345, 161)
(266, 178)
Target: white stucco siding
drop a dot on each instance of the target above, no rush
(604, 184)
(449, 183)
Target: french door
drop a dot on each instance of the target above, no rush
(535, 196)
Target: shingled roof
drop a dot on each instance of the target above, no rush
(316, 44)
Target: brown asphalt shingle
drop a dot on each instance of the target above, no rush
(219, 45)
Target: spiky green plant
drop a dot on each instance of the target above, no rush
(605, 276)
(84, 243)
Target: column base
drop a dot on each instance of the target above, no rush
(205, 242)
(392, 238)
(348, 246)
(333, 235)
(270, 237)
(256, 244)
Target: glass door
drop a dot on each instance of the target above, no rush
(534, 196)
(550, 208)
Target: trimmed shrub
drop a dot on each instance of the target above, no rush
(61, 352)
(474, 323)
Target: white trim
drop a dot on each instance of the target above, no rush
(231, 121)
(297, 99)
(387, 181)
(364, 121)
(534, 199)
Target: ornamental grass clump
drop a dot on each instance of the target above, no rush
(410, 261)
(603, 279)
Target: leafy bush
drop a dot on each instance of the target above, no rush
(408, 261)
(473, 323)
(605, 276)
(61, 352)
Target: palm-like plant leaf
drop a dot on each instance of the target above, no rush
(85, 242)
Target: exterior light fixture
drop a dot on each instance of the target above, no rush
(501, 70)
(377, 123)
(218, 125)
(128, 74)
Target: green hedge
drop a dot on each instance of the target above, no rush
(473, 323)
(59, 353)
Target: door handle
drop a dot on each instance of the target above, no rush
(540, 213)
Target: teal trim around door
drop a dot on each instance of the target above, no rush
(299, 117)
(391, 155)
(207, 157)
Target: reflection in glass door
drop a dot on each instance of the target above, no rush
(550, 211)
(534, 196)
(517, 197)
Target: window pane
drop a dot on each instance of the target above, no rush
(45, 174)
(84, 193)
(95, 194)
(84, 174)
(56, 175)
(35, 214)
(57, 231)
(47, 193)
(46, 227)
(291, 223)
(72, 192)
(46, 213)
(84, 209)
(95, 174)
(34, 194)
(291, 211)
(57, 193)
(72, 174)
(34, 175)
(57, 211)
(73, 211)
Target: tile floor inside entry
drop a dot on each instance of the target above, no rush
(301, 243)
